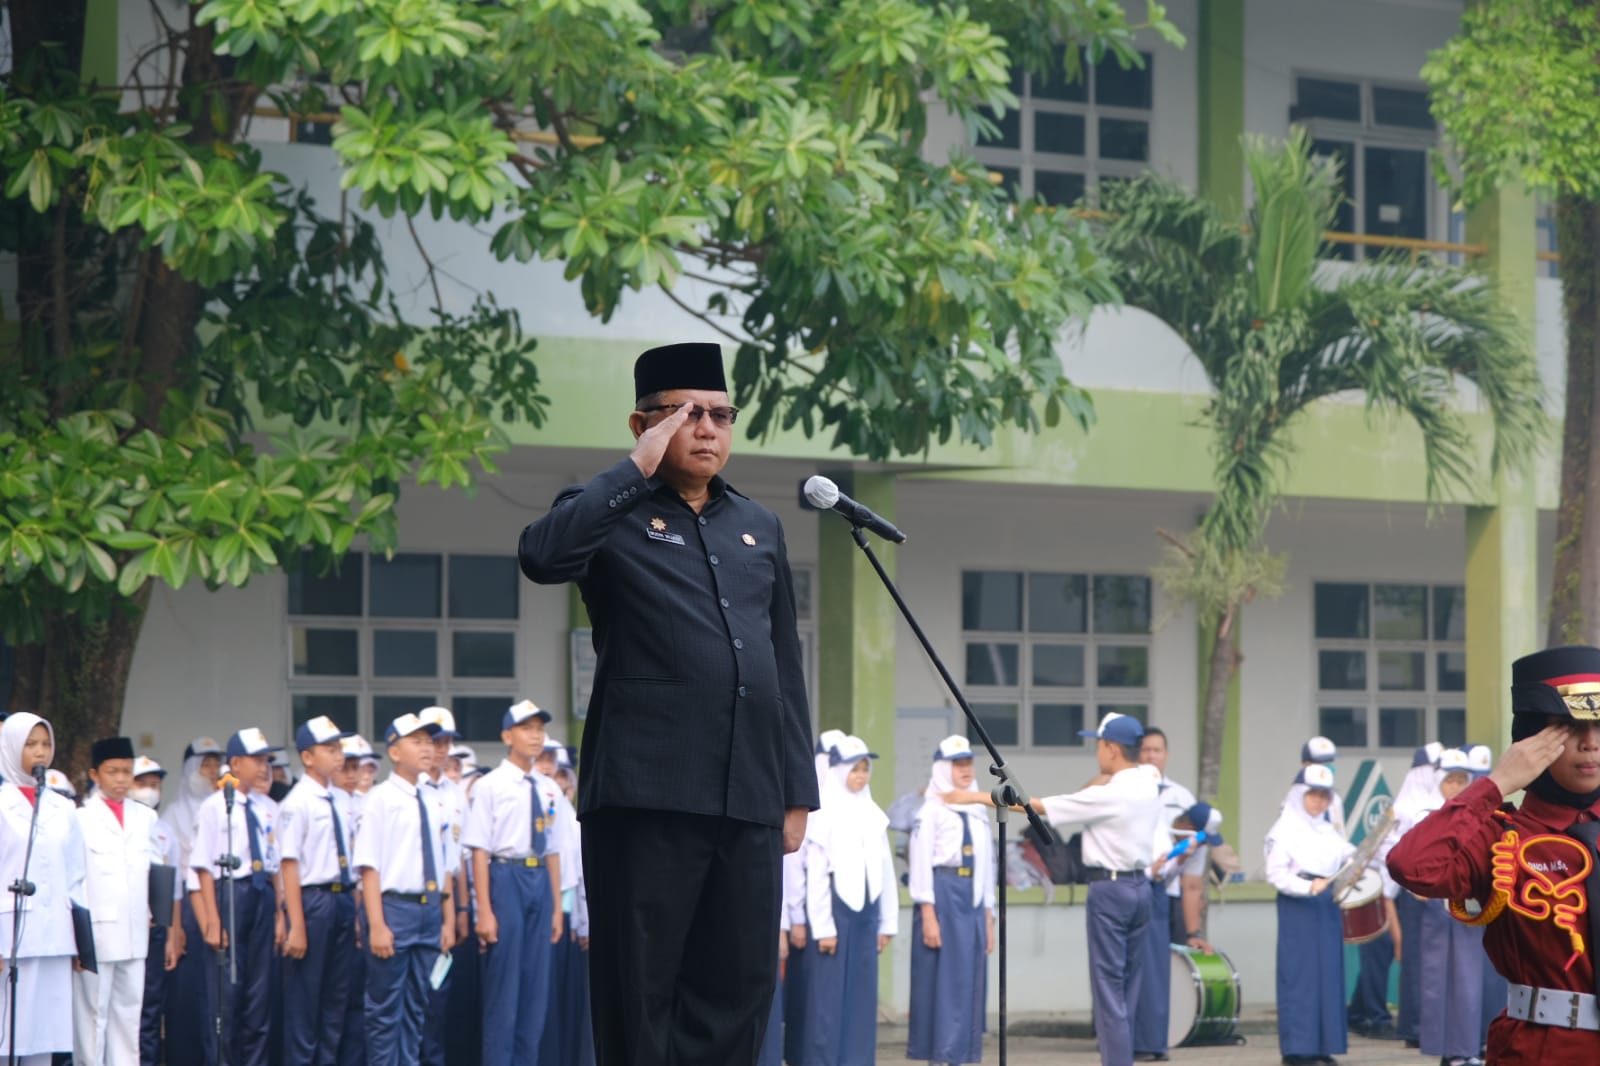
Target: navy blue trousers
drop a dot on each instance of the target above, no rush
(793, 990)
(1117, 916)
(246, 1001)
(842, 1002)
(433, 1020)
(1369, 1002)
(950, 984)
(397, 987)
(1153, 1009)
(316, 989)
(516, 968)
(155, 997)
(353, 1037)
(191, 999)
(772, 1043)
(464, 1012)
(1310, 976)
(1408, 1019)
(565, 1016)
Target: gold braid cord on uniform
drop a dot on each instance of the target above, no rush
(1542, 897)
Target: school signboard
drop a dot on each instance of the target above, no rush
(1366, 800)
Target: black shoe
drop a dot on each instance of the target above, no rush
(1382, 1031)
(1412, 1043)
(1149, 1056)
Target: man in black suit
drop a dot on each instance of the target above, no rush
(696, 752)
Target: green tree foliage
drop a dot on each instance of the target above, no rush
(1518, 93)
(1276, 332)
(208, 375)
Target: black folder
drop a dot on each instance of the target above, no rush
(83, 930)
(163, 882)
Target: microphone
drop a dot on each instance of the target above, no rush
(228, 783)
(38, 774)
(824, 495)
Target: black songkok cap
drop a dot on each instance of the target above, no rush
(110, 748)
(693, 365)
(1559, 681)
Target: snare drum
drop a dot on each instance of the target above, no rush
(1205, 999)
(1362, 909)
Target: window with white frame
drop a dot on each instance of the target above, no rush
(1391, 664)
(1048, 654)
(1068, 136)
(378, 637)
(1382, 135)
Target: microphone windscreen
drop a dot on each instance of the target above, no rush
(821, 492)
(38, 774)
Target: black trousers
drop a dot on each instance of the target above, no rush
(683, 914)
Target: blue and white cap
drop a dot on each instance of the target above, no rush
(552, 744)
(203, 746)
(851, 750)
(953, 747)
(319, 730)
(357, 747)
(1427, 755)
(518, 713)
(407, 724)
(1453, 761)
(1205, 818)
(1319, 750)
(1480, 760)
(59, 782)
(441, 717)
(829, 740)
(1317, 776)
(249, 742)
(144, 764)
(1117, 728)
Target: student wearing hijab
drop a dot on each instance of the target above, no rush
(852, 909)
(191, 992)
(48, 947)
(950, 855)
(1304, 851)
(801, 950)
(1318, 751)
(1450, 953)
(1416, 789)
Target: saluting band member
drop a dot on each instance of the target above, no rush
(1539, 931)
(688, 588)
(315, 843)
(121, 845)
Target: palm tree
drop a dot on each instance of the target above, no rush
(1276, 331)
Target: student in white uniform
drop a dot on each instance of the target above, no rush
(354, 786)
(120, 846)
(48, 947)
(450, 810)
(315, 843)
(406, 896)
(166, 942)
(1318, 751)
(1151, 1012)
(852, 910)
(516, 863)
(564, 1013)
(952, 883)
(191, 991)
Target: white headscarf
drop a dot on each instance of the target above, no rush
(851, 829)
(13, 738)
(184, 809)
(1315, 844)
(940, 781)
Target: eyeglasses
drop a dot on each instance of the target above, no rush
(720, 416)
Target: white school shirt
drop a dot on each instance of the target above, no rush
(211, 835)
(56, 871)
(1118, 818)
(305, 832)
(1175, 799)
(819, 892)
(500, 820)
(390, 839)
(936, 841)
(449, 813)
(794, 890)
(117, 860)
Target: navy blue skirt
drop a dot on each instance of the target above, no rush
(1452, 963)
(949, 986)
(1311, 1015)
(842, 997)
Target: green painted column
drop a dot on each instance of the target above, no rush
(856, 648)
(1503, 540)
(1220, 48)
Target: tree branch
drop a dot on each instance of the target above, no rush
(704, 317)
(433, 278)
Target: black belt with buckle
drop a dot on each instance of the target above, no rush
(1100, 873)
(331, 886)
(529, 861)
(960, 871)
(409, 897)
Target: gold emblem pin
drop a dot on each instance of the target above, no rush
(748, 539)
(658, 525)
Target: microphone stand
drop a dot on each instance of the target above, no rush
(229, 862)
(1007, 791)
(21, 888)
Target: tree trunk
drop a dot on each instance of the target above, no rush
(1575, 577)
(1222, 664)
(77, 677)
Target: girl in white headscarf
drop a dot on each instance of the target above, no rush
(1304, 851)
(952, 884)
(852, 909)
(56, 869)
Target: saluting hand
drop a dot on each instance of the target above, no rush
(652, 444)
(1525, 760)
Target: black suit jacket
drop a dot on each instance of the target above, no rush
(699, 701)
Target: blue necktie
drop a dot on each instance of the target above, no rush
(257, 868)
(430, 872)
(338, 841)
(537, 838)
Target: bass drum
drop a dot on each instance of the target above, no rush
(1205, 999)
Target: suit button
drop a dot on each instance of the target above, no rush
(611, 502)
(738, 644)
(741, 690)
(702, 521)
(724, 602)
(713, 560)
